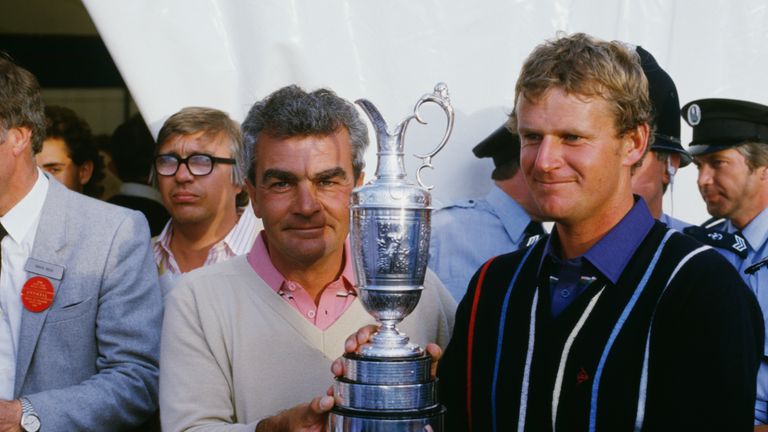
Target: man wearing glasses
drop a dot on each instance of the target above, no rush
(200, 170)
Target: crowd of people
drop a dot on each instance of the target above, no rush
(216, 288)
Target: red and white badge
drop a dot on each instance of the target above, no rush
(37, 294)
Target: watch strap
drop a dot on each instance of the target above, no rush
(28, 410)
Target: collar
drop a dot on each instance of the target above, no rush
(611, 254)
(240, 238)
(140, 190)
(237, 239)
(509, 211)
(24, 215)
(163, 240)
(756, 231)
(259, 260)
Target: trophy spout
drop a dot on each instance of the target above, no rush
(377, 120)
(389, 146)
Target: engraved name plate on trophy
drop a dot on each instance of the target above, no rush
(387, 385)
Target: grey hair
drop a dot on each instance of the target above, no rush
(191, 120)
(291, 111)
(20, 102)
(755, 153)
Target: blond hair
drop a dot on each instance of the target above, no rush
(583, 65)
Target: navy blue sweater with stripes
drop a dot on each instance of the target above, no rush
(674, 345)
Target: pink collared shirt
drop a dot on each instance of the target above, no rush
(334, 300)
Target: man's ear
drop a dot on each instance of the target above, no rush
(21, 139)
(360, 179)
(763, 173)
(635, 144)
(85, 172)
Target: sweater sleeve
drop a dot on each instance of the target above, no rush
(446, 309)
(195, 383)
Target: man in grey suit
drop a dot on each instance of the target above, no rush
(80, 308)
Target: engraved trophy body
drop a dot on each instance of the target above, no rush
(387, 385)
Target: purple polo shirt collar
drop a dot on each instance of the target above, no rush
(611, 254)
(568, 279)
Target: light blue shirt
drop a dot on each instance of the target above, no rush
(675, 224)
(756, 235)
(467, 233)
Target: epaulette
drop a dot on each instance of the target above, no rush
(719, 239)
(465, 203)
(756, 266)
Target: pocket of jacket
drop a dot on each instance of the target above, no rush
(69, 311)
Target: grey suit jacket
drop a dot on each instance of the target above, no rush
(90, 361)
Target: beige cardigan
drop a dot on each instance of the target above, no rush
(234, 352)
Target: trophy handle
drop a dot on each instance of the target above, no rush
(440, 97)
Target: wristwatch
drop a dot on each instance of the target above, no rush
(30, 422)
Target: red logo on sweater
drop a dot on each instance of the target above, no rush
(582, 376)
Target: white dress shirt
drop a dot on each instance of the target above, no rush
(21, 224)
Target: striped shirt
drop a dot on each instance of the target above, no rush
(237, 242)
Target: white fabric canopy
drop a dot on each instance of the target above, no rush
(229, 53)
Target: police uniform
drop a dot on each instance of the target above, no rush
(719, 124)
(467, 232)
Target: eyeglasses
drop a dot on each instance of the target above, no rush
(197, 164)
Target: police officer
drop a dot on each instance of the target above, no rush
(467, 233)
(666, 154)
(730, 149)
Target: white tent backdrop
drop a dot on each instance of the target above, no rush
(229, 53)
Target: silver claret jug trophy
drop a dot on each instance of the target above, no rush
(387, 386)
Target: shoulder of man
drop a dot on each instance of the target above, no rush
(211, 277)
(88, 207)
(715, 237)
(504, 266)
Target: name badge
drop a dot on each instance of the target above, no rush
(42, 268)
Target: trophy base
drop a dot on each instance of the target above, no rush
(392, 351)
(389, 370)
(401, 397)
(386, 395)
(426, 420)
